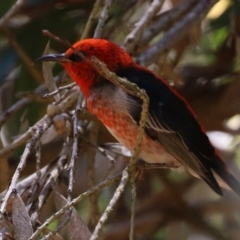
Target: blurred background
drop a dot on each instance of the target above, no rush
(198, 56)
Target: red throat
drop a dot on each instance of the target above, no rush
(83, 75)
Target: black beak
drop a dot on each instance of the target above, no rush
(53, 58)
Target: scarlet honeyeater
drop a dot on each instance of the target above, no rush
(173, 137)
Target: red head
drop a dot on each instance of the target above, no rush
(80, 70)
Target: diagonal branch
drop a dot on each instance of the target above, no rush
(133, 37)
(177, 32)
(73, 202)
(39, 131)
(18, 4)
(117, 194)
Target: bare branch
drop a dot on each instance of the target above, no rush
(177, 32)
(74, 155)
(59, 227)
(134, 36)
(38, 158)
(51, 181)
(58, 90)
(102, 19)
(14, 9)
(73, 202)
(133, 205)
(38, 133)
(13, 109)
(95, 10)
(91, 155)
(165, 20)
(111, 204)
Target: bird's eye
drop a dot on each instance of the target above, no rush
(75, 58)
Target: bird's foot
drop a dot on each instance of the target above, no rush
(142, 165)
(145, 165)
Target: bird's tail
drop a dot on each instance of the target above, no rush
(226, 179)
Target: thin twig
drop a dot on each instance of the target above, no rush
(60, 226)
(67, 87)
(133, 204)
(102, 19)
(33, 97)
(51, 181)
(92, 190)
(68, 96)
(22, 103)
(13, 109)
(100, 149)
(74, 155)
(38, 159)
(32, 184)
(114, 199)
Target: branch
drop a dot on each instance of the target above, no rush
(112, 203)
(51, 180)
(22, 139)
(74, 154)
(23, 102)
(11, 12)
(102, 19)
(91, 19)
(58, 90)
(133, 37)
(91, 155)
(177, 32)
(38, 133)
(132, 89)
(165, 20)
(73, 202)
(52, 110)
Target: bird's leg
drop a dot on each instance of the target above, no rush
(145, 165)
(142, 165)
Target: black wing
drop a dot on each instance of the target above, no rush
(172, 123)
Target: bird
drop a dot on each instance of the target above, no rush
(173, 137)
